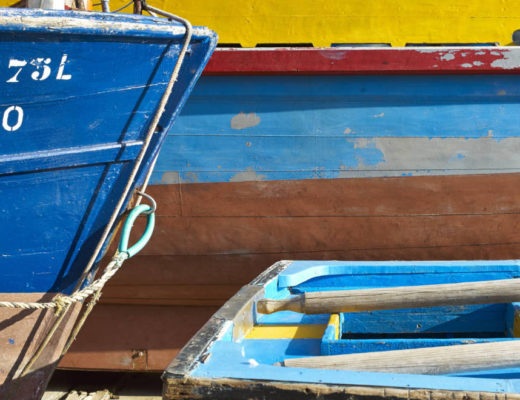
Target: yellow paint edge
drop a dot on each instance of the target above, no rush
(334, 321)
(286, 332)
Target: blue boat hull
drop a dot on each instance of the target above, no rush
(80, 91)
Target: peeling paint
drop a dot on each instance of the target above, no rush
(336, 55)
(501, 92)
(479, 154)
(248, 175)
(459, 156)
(467, 65)
(379, 115)
(10, 340)
(480, 53)
(478, 63)
(510, 60)
(46, 19)
(243, 120)
(447, 57)
(362, 143)
(190, 177)
(95, 124)
(170, 177)
(347, 131)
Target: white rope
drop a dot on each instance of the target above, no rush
(60, 301)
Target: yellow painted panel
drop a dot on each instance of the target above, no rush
(286, 332)
(321, 23)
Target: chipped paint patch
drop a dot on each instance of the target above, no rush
(437, 156)
(190, 177)
(48, 20)
(362, 143)
(334, 55)
(170, 177)
(478, 63)
(467, 65)
(501, 92)
(459, 156)
(510, 60)
(379, 115)
(347, 131)
(248, 175)
(433, 154)
(10, 341)
(243, 120)
(447, 57)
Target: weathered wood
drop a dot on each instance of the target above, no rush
(337, 301)
(306, 61)
(432, 360)
(238, 389)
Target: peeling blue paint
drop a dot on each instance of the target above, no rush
(323, 127)
(459, 156)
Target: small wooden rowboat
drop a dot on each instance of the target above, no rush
(330, 330)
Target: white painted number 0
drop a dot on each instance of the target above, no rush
(19, 120)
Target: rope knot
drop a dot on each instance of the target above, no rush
(60, 303)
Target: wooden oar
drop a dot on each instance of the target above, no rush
(483, 292)
(432, 360)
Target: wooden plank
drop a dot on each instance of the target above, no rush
(396, 196)
(211, 278)
(390, 298)
(176, 388)
(302, 61)
(207, 294)
(167, 330)
(217, 235)
(432, 360)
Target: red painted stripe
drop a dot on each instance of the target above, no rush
(292, 61)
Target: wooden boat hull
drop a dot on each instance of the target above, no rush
(252, 343)
(77, 140)
(234, 197)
